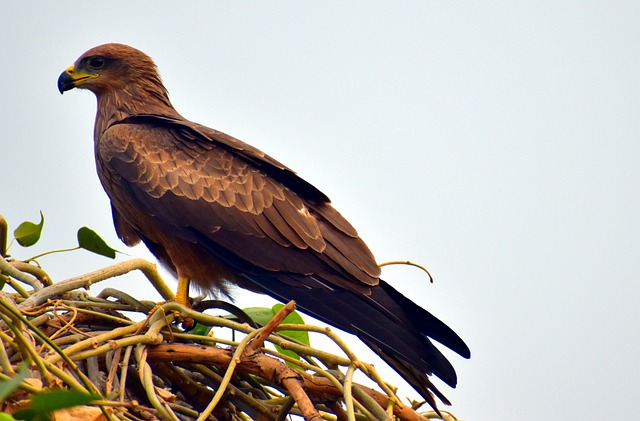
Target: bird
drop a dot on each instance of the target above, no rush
(216, 212)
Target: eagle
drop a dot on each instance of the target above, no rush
(216, 211)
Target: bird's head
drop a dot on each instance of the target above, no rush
(120, 75)
(109, 67)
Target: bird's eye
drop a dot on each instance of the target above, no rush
(96, 62)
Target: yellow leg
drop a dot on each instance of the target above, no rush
(182, 295)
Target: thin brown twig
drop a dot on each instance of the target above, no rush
(307, 408)
(268, 329)
(115, 360)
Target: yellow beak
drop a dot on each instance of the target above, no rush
(71, 78)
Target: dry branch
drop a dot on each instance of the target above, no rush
(150, 369)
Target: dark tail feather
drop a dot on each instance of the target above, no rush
(408, 345)
(389, 323)
(425, 322)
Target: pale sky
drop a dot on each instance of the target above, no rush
(496, 143)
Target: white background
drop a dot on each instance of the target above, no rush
(497, 143)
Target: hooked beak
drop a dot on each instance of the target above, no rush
(71, 78)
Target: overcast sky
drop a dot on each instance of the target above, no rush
(497, 143)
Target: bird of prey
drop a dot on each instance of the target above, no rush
(216, 211)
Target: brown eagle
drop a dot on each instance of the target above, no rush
(215, 210)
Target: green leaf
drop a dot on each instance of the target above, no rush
(263, 315)
(6, 417)
(54, 400)
(7, 387)
(260, 315)
(89, 240)
(28, 233)
(29, 414)
(298, 335)
(200, 329)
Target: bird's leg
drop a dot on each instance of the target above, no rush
(182, 295)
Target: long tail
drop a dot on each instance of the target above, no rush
(389, 323)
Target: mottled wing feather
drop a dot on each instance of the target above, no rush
(208, 192)
(194, 134)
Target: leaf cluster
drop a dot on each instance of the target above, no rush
(28, 234)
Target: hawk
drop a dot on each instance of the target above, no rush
(217, 211)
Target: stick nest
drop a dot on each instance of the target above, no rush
(152, 370)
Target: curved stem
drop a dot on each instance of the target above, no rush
(37, 256)
(408, 263)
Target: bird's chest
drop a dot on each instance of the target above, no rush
(136, 177)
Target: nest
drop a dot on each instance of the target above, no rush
(152, 369)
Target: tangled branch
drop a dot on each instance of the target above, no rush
(150, 369)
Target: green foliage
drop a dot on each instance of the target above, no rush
(260, 315)
(7, 387)
(43, 404)
(89, 240)
(298, 335)
(263, 315)
(28, 233)
(200, 329)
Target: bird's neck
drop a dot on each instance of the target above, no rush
(114, 106)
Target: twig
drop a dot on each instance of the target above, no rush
(284, 410)
(266, 331)
(40, 274)
(146, 377)
(85, 281)
(261, 365)
(371, 403)
(7, 268)
(123, 372)
(262, 409)
(91, 342)
(348, 397)
(123, 298)
(287, 377)
(90, 386)
(15, 285)
(115, 360)
(294, 387)
(408, 263)
(227, 375)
